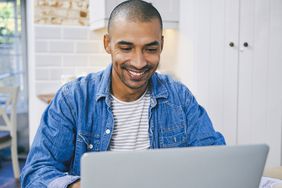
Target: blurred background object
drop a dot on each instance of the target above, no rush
(13, 64)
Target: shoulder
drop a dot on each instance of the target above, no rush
(80, 88)
(177, 92)
(172, 84)
(82, 83)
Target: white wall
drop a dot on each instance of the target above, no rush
(184, 69)
(66, 51)
(35, 105)
(254, 102)
(169, 58)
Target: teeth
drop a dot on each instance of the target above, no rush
(136, 73)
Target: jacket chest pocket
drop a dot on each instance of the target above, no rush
(171, 126)
(173, 137)
(88, 142)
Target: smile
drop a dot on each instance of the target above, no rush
(136, 73)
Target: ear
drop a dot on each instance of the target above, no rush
(162, 43)
(107, 42)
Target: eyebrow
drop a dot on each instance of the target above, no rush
(154, 43)
(124, 43)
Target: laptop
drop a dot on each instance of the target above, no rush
(238, 166)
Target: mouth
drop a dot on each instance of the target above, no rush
(136, 75)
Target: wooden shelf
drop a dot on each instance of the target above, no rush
(46, 97)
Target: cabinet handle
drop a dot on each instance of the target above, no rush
(231, 44)
(245, 44)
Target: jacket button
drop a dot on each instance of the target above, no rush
(108, 131)
(90, 146)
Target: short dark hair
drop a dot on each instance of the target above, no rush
(135, 10)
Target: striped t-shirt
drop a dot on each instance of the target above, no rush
(130, 124)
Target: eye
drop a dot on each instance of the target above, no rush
(152, 50)
(126, 48)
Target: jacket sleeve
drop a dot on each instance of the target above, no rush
(52, 150)
(200, 129)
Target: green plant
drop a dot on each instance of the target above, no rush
(6, 26)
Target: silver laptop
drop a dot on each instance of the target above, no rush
(197, 167)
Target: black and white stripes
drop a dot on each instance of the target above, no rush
(131, 124)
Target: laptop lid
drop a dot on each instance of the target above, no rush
(195, 167)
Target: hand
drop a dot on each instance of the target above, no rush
(75, 185)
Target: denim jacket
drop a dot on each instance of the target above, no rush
(79, 119)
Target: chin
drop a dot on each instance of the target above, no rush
(136, 86)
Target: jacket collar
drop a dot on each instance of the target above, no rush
(158, 88)
(104, 87)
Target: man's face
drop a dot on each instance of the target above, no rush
(135, 48)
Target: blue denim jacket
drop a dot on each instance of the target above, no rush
(79, 119)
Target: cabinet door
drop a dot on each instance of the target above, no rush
(260, 75)
(169, 9)
(207, 64)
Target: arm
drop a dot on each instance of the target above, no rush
(75, 185)
(53, 146)
(200, 128)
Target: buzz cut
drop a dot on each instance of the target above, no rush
(135, 10)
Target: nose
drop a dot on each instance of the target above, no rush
(139, 60)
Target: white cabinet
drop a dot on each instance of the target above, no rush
(231, 58)
(100, 11)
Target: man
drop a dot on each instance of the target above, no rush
(125, 107)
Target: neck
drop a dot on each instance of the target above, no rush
(125, 93)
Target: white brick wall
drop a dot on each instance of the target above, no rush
(41, 46)
(48, 60)
(61, 46)
(75, 60)
(89, 47)
(76, 33)
(66, 51)
(48, 32)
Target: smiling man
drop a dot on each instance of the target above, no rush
(135, 43)
(128, 106)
